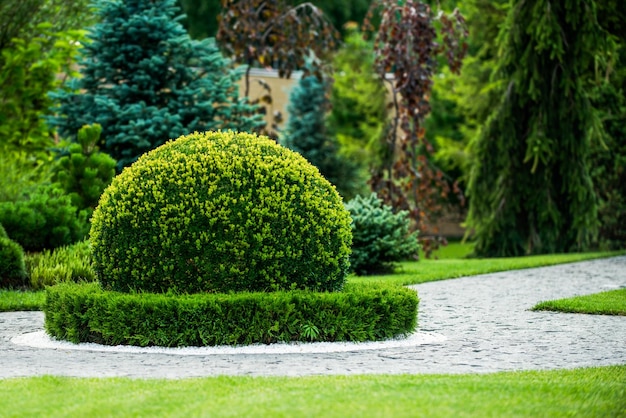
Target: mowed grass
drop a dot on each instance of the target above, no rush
(448, 265)
(427, 270)
(612, 302)
(589, 392)
(17, 300)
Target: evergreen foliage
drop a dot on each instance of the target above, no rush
(221, 212)
(530, 187)
(45, 219)
(86, 313)
(12, 270)
(306, 134)
(609, 161)
(358, 113)
(380, 237)
(145, 81)
(84, 172)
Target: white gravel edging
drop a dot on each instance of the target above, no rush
(40, 339)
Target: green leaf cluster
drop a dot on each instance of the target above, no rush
(84, 172)
(12, 269)
(86, 313)
(30, 69)
(219, 212)
(45, 219)
(145, 81)
(380, 237)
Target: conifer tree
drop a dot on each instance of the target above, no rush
(530, 187)
(306, 134)
(145, 81)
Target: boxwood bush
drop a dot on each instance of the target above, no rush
(86, 313)
(221, 212)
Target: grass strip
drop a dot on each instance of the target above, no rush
(412, 272)
(612, 302)
(18, 300)
(588, 392)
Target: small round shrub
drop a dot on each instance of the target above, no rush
(221, 212)
(12, 270)
(379, 236)
(46, 220)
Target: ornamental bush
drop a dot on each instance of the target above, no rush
(360, 312)
(12, 270)
(380, 237)
(83, 171)
(46, 219)
(221, 212)
(67, 264)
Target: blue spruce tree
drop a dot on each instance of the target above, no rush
(306, 134)
(144, 80)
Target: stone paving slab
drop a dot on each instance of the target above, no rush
(485, 320)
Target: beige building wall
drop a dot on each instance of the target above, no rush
(280, 90)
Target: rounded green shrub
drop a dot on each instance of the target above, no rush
(12, 270)
(45, 220)
(379, 236)
(221, 212)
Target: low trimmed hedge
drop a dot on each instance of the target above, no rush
(86, 313)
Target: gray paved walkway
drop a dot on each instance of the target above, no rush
(485, 319)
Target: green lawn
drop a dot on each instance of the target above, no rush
(428, 270)
(612, 302)
(591, 392)
(12, 300)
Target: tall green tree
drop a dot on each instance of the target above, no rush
(609, 157)
(145, 81)
(530, 187)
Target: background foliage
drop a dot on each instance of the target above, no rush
(531, 189)
(145, 81)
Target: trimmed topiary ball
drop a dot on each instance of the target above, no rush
(221, 212)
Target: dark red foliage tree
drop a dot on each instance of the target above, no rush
(275, 34)
(407, 46)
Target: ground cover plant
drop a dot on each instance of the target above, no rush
(589, 392)
(612, 302)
